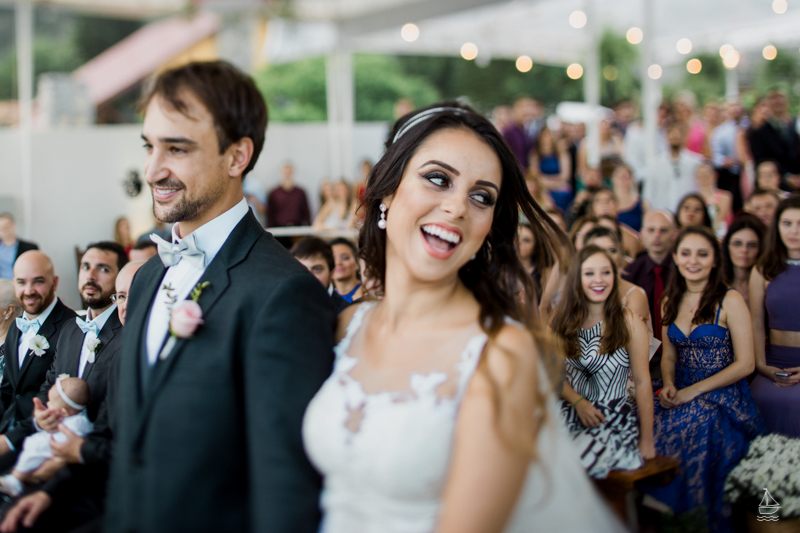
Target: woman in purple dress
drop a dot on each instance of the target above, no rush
(774, 295)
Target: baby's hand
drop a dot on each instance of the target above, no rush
(46, 419)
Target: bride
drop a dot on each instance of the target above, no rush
(439, 415)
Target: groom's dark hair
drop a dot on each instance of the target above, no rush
(226, 92)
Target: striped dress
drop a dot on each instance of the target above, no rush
(602, 379)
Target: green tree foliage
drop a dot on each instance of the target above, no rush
(708, 85)
(296, 91)
(495, 84)
(779, 74)
(618, 61)
(48, 56)
(94, 35)
(380, 81)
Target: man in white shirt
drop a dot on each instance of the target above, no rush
(673, 175)
(30, 343)
(212, 391)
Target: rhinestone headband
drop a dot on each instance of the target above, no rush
(423, 116)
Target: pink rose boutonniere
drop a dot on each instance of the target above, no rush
(185, 318)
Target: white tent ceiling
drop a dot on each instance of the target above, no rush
(537, 28)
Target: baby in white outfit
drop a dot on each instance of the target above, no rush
(69, 396)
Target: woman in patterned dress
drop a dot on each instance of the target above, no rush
(704, 413)
(604, 343)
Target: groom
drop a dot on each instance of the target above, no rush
(208, 430)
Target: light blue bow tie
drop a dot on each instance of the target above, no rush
(25, 324)
(171, 253)
(86, 327)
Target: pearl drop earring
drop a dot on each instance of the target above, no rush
(382, 221)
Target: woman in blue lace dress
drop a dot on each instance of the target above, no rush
(704, 414)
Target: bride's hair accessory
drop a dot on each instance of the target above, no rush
(423, 116)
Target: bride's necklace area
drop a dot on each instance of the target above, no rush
(793, 262)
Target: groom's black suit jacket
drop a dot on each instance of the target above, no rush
(20, 385)
(209, 439)
(67, 361)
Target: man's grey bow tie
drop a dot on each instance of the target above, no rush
(171, 253)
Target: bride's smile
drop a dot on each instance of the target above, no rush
(443, 208)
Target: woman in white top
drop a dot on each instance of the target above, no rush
(439, 414)
(337, 212)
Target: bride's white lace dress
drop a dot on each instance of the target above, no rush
(385, 455)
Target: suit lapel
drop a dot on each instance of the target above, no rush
(110, 329)
(146, 283)
(234, 251)
(12, 358)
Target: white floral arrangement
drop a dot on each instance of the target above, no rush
(772, 463)
(93, 345)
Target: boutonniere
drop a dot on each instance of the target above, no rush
(186, 316)
(38, 345)
(93, 345)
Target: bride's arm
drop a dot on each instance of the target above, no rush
(486, 472)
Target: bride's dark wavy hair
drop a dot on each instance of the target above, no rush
(496, 274)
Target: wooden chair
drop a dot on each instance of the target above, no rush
(618, 487)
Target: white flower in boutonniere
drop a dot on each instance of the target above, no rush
(39, 345)
(93, 345)
(185, 318)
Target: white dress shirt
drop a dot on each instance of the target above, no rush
(182, 277)
(670, 179)
(26, 337)
(100, 320)
(723, 144)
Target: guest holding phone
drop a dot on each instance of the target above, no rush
(774, 293)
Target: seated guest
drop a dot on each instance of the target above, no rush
(87, 346)
(692, 211)
(762, 204)
(74, 495)
(122, 234)
(122, 285)
(652, 268)
(11, 247)
(557, 216)
(630, 205)
(336, 212)
(631, 243)
(317, 256)
(604, 343)
(768, 178)
(143, 250)
(580, 228)
(741, 248)
(69, 397)
(631, 296)
(9, 310)
(774, 294)
(31, 342)
(536, 257)
(704, 413)
(719, 203)
(346, 276)
(287, 204)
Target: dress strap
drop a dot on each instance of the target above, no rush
(720, 305)
(353, 327)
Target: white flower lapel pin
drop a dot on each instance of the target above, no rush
(93, 345)
(38, 345)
